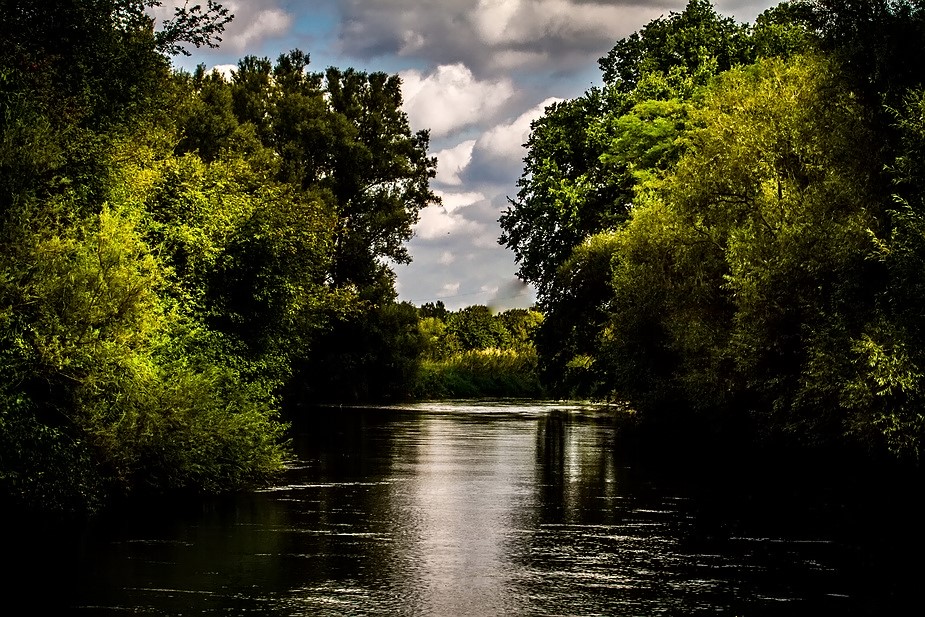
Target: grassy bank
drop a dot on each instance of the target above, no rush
(480, 373)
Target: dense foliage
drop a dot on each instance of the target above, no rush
(729, 232)
(476, 353)
(180, 252)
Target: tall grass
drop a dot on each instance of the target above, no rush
(480, 373)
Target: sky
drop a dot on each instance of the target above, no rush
(475, 73)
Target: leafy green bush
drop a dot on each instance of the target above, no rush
(108, 388)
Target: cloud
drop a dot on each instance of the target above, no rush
(455, 201)
(451, 162)
(225, 69)
(497, 156)
(252, 24)
(451, 98)
(743, 10)
(510, 294)
(448, 289)
(507, 140)
(437, 222)
(501, 23)
(477, 275)
(493, 36)
(257, 25)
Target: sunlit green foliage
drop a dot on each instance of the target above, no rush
(101, 364)
(588, 157)
(480, 373)
(474, 352)
(757, 261)
(753, 247)
(179, 250)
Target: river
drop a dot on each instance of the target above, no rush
(480, 509)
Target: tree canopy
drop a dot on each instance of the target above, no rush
(728, 231)
(179, 249)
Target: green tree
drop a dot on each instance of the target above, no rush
(342, 132)
(112, 381)
(588, 159)
(340, 141)
(476, 327)
(434, 309)
(522, 325)
(680, 41)
(752, 254)
(563, 194)
(381, 177)
(587, 156)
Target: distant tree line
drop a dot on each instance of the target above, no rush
(475, 352)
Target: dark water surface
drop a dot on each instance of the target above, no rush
(463, 509)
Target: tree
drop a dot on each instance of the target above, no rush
(339, 140)
(342, 132)
(189, 24)
(434, 309)
(868, 37)
(586, 157)
(112, 382)
(563, 194)
(680, 41)
(748, 267)
(381, 174)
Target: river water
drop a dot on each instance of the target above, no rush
(480, 509)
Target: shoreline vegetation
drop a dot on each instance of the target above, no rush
(728, 234)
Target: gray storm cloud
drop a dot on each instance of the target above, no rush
(499, 33)
(493, 36)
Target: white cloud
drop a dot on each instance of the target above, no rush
(265, 23)
(438, 223)
(498, 153)
(446, 258)
(454, 201)
(451, 98)
(511, 59)
(506, 22)
(513, 293)
(225, 70)
(452, 161)
(493, 17)
(448, 289)
(411, 42)
(507, 140)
